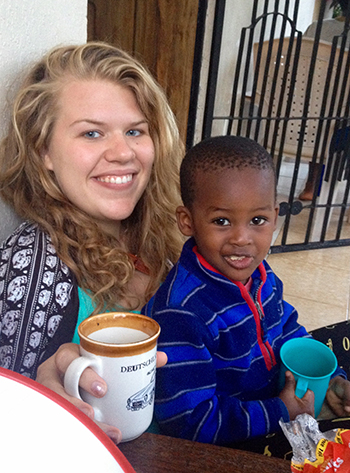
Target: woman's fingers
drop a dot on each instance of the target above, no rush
(51, 374)
(49, 377)
(161, 359)
(113, 433)
(90, 381)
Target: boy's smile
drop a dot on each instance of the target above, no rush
(232, 219)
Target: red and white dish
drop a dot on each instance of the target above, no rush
(40, 431)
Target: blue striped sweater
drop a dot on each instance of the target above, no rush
(220, 384)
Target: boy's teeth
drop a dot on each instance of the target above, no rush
(237, 258)
(116, 179)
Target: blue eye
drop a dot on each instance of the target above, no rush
(258, 220)
(221, 222)
(133, 133)
(92, 134)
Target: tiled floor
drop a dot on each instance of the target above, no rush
(316, 282)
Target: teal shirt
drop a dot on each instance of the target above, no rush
(86, 308)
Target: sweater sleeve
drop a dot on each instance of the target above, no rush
(38, 300)
(188, 402)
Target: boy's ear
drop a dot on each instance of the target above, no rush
(184, 220)
(277, 209)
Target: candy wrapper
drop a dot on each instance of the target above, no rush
(316, 451)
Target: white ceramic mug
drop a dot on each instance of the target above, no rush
(121, 347)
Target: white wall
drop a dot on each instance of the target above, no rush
(28, 28)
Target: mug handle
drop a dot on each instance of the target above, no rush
(74, 372)
(301, 387)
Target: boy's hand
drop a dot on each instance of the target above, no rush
(295, 405)
(338, 396)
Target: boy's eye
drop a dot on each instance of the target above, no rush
(92, 134)
(133, 133)
(221, 221)
(258, 220)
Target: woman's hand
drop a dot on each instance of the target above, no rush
(295, 405)
(162, 359)
(51, 374)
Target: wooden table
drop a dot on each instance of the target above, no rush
(153, 453)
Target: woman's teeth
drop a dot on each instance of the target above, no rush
(116, 179)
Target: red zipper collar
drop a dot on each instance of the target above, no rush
(265, 347)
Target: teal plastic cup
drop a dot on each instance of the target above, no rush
(312, 364)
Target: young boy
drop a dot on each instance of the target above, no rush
(221, 310)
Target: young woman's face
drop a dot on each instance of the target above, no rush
(101, 151)
(233, 219)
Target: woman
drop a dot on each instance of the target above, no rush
(90, 162)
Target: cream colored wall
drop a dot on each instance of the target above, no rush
(328, 11)
(28, 28)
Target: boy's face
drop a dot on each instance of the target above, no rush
(232, 219)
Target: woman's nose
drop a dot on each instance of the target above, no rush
(119, 149)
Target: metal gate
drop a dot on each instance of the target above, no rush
(291, 94)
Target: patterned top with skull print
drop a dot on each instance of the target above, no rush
(37, 291)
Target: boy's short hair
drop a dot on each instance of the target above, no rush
(219, 153)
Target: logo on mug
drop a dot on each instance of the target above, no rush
(139, 366)
(144, 397)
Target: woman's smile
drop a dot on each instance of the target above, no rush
(116, 179)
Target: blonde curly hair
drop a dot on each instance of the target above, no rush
(98, 260)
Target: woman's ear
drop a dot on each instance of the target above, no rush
(184, 220)
(46, 159)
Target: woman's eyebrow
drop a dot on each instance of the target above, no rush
(91, 121)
